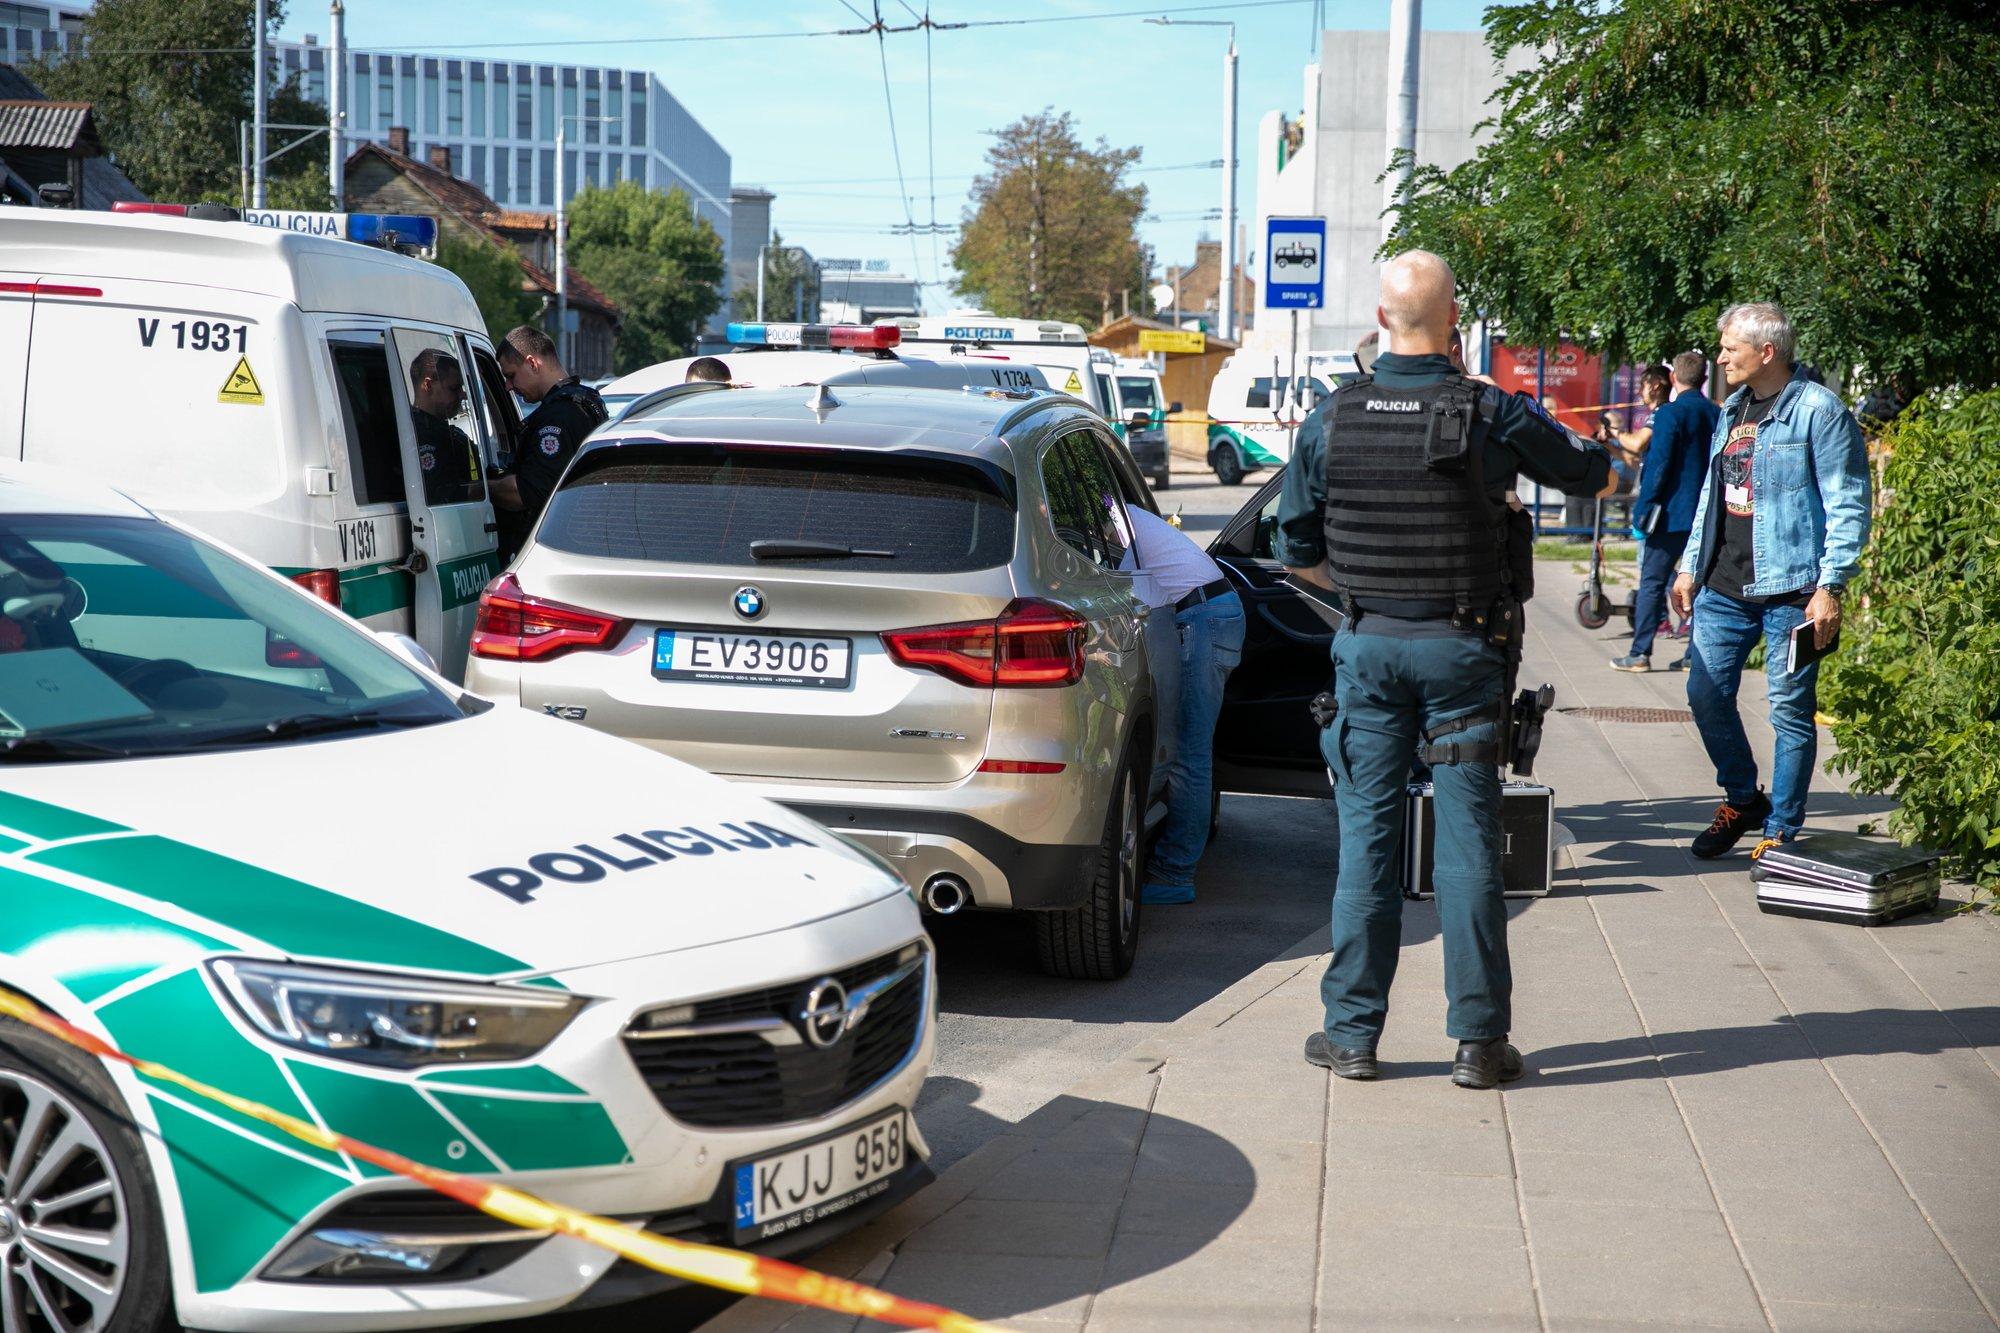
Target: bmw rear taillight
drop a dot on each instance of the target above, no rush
(321, 583)
(1030, 645)
(517, 627)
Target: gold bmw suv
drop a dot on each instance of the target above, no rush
(912, 614)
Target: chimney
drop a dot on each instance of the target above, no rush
(399, 139)
(441, 157)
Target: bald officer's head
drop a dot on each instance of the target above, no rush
(1419, 307)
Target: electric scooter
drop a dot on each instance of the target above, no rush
(1594, 608)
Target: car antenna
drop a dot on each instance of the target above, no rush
(821, 401)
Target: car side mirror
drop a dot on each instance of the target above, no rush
(1139, 420)
(1173, 407)
(407, 648)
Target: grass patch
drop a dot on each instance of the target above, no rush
(1554, 548)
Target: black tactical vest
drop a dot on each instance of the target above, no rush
(1397, 528)
(586, 399)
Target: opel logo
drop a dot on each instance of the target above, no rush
(749, 603)
(825, 1014)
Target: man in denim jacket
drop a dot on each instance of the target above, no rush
(1778, 532)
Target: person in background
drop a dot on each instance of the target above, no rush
(1778, 531)
(1669, 484)
(707, 370)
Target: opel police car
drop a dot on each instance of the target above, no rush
(244, 837)
(315, 397)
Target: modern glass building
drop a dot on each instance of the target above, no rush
(499, 119)
(31, 31)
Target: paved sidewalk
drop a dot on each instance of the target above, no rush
(1730, 1120)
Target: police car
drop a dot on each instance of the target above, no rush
(1254, 407)
(250, 856)
(776, 355)
(328, 406)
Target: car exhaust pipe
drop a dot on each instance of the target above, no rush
(946, 894)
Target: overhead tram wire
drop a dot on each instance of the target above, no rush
(896, 146)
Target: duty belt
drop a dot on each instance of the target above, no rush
(1207, 592)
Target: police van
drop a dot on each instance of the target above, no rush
(286, 389)
(1255, 407)
(1059, 349)
(1139, 410)
(781, 355)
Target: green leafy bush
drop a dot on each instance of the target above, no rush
(1916, 687)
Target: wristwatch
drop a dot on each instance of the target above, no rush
(1834, 590)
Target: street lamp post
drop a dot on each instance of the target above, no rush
(1226, 288)
(563, 345)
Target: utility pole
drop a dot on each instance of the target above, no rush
(336, 118)
(1406, 33)
(1226, 310)
(257, 113)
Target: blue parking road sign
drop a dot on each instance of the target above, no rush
(1295, 263)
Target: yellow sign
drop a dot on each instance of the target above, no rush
(241, 386)
(1172, 340)
(1075, 384)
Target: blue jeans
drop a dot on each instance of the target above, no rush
(1390, 689)
(1725, 630)
(1657, 561)
(1211, 637)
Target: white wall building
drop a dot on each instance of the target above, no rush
(1328, 160)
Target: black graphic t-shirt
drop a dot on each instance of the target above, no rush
(1735, 493)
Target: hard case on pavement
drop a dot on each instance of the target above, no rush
(1845, 877)
(1527, 827)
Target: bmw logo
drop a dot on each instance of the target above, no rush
(749, 603)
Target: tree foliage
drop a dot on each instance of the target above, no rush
(492, 273)
(651, 254)
(1916, 686)
(1656, 162)
(791, 286)
(1052, 229)
(170, 120)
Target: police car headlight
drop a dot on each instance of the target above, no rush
(383, 1019)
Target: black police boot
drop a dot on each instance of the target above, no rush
(1346, 1061)
(1481, 1064)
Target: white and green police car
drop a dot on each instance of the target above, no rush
(243, 837)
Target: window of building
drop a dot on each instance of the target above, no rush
(385, 96)
(25, 16)
(476, 170)
(524, 175)
(430, 97)
(569, 175)
(545, 192)
(569, 106)
(502, 192)
(614, 105)
(524, 110)
(454, 105)
(477, 81)
(638, 111)
(545, 103)
(593, 106)
(636, 169)
(612, 163)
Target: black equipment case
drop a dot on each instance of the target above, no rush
(1845, 877)
(1527, 827)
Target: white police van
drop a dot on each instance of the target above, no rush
(265, 384)
(779, 355)
(1255, 407)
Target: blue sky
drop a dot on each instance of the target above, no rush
(805, 116)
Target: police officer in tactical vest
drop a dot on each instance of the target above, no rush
(568, 410)
(1395, 500)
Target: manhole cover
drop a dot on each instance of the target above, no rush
(1629, 714)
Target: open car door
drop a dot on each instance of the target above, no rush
(1265, 740)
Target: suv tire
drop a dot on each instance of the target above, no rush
(1099, 940)
(48, 1088)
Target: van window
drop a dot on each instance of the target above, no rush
(1084, 501)
(368, 407)
(496, 408)
(705, 506)
(1260, 392)
(1138, 393)
(434, 375)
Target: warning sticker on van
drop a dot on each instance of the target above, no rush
(241, 386)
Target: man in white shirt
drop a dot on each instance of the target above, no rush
(1209, 615)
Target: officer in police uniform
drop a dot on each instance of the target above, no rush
(449, 460)
(1395, 500)
(568, 410)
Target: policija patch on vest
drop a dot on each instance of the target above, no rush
(1393, 405)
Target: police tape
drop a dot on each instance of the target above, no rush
(731, 1270)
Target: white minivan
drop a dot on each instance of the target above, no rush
(296, 396)
(1254, 407)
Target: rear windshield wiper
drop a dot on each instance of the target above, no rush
(770, 549)
(42, 749)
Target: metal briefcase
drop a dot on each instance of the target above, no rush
(1527, 826)
(1846, 877)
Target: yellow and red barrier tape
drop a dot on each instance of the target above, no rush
(731, 1270)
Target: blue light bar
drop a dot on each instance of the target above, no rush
(408, 233)
(865, 337)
